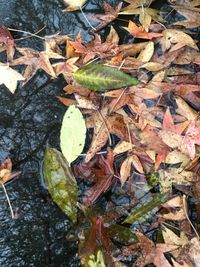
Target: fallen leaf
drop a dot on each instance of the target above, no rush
(109, 15)
(139, 32)
(9, 77)
(60, 182)
(72, 134)
(73, 5)
(125, 170)
(99, 77)
(7, 40)
(34, 61)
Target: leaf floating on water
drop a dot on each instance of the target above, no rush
(122, 234)
(99, 77)
(60, 182)
(141, 213)
(96, 260)
(73, 133)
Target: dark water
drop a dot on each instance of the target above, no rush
(28, 119)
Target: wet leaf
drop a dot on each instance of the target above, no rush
(73, 5)
(9, 77)
(7, 40)
(121, 234)
(73, 134)
(96, 260)
(99, 77)
(140, 213)
(60, 182)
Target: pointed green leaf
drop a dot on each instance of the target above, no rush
(140, 214)
(60, 182)
(99, 77)
(73, 133)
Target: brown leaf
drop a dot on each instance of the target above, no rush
(139, 32)
(34, 61)
(7, 40)
(109, 15)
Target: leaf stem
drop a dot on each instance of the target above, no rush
(9, 203)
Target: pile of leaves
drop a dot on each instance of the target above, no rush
(127, 188)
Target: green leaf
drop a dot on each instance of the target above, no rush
(60, 182)
(96, 260)
(121, 234)
(73, 133)
(143, 212)
(99, 77)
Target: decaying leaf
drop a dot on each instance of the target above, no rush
(60, 182)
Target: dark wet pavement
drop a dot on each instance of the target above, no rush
(28, 120)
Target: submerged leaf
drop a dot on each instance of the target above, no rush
(99, 77)
(73, 133)
(96, 260)
(141, 213)
(60, 182)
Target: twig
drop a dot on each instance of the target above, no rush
(9, 203)
(36, 33)
(31, 34)
(185, 210)
(87, 19)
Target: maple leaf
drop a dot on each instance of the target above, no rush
(34, 61)
(7, 40)
(100, 171)
(192, 137)
(109, 15)
(9, 77)
(104, 125)
(66, 68)
(139, 32)
(94, 48)
(150, 253)
(52, 45)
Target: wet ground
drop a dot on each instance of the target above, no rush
(28, 120)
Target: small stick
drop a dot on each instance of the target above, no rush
(32, 34)
(186, 214)
(9, 203)
(87, 19)
(23, 38)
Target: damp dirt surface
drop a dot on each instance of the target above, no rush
(29, 120)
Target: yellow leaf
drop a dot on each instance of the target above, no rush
(147, 53)
(176, 39)
(171, 238)
(73, 4)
